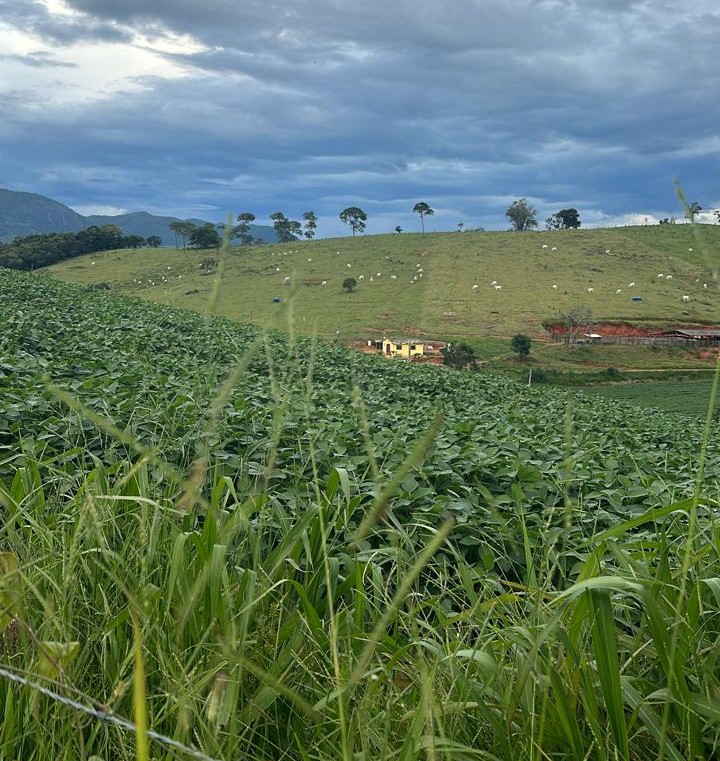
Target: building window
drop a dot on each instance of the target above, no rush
(413, 347)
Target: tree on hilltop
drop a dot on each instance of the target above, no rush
(693, 210)
(424, 210)
(565, 219)
(310, 224)
(521, 215)
(242, 230)
(354, 217)
(287, 230)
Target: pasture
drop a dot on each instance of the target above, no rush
(440, 301)
(219, 542)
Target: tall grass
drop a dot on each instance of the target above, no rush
(151, 610)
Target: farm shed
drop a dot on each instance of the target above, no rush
(701, 335)
(402, 347)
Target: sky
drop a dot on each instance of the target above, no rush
(204, 109)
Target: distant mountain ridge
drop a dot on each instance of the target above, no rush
(29, 213)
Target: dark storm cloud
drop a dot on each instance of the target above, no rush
(34, 18)
(312, 104)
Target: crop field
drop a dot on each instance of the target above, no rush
(687, 397)
(440, 301)
(221, 542)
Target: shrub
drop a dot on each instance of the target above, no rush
(612, 372)
(348, 284)
(520, 344)
(459, 356)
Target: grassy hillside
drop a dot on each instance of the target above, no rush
(441, 303)
(260, 548)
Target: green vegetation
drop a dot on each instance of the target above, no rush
(261, 546)
(521, 215)
(565, 219)
(423, 209)
(521, 344)
(441, 304)
(690, 397)
(459, 356)
(41, 250)
(355, 218)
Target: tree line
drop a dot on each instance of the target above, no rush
(42, 249)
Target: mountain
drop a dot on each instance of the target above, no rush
(29, 213)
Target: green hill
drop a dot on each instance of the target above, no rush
(433, 292)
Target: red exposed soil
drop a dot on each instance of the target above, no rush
(617, 329)
(606, 329)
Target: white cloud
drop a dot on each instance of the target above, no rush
(94, 209)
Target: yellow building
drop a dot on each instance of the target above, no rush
(404, 348)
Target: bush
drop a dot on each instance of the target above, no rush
(459, 356)
(612, 372)
(348, 284)
(520, 344)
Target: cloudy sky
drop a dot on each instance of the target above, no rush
(203, 108)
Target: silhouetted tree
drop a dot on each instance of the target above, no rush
(242, 231)
(286, 229)
(423, 210)
(565, 219)
(354, 217)
(693, 209)
(310, 224)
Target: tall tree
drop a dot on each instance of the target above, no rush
(521, 215)
(310, 224)
(153, 241)
(565, 219)
(181, 228)
(205, 236)
(354, 217)
(242, 230)
(693, 210)
(423, 210)
(286, 229)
